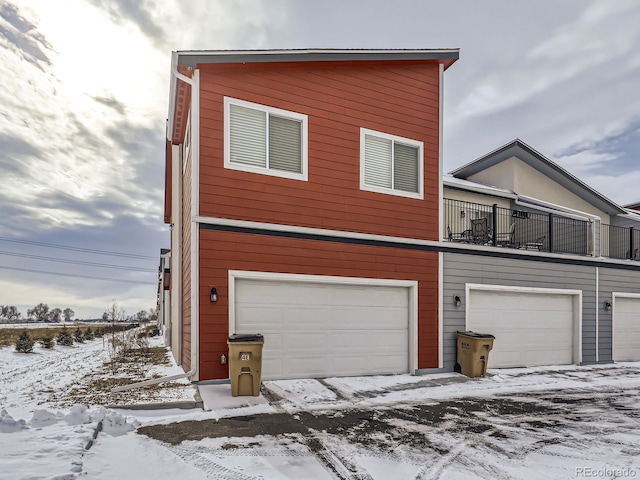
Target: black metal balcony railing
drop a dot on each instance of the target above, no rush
(620, 242)
(512, 228)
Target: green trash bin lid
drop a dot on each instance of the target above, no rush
(469, 333)
(256, 337)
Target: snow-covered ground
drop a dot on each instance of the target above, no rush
(535, 423)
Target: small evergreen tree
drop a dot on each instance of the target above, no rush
(88, 334)
(98, 332)
(47, 341)
(24, 344)
(78, 336)
(64, 337)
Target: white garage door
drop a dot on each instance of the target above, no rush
(314, 330)
(626, 329)
(530, 328)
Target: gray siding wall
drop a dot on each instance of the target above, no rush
(613, 280)
(460, 269)
(624, 222)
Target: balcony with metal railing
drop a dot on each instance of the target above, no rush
(620, 242)
(492, 225)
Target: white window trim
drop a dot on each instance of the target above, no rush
(269, 110)
(406, 141)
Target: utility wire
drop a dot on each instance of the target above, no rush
(78, 262)
(78, 249)
(78, 276)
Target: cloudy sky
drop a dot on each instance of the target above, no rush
(84, 100)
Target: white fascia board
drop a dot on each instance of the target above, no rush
(495, 192)
(173, 85)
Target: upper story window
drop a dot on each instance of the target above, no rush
(390, 164)
(265, 140)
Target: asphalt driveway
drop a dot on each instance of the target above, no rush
(574, 422)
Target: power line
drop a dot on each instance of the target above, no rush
(78, 262)
(78, 249)
(78, 276)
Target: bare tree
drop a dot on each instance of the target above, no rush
(115, 314)
(13, 314)
(153, 313)
(55, 315)
(40, 312)
(68, 313)
(9, 313)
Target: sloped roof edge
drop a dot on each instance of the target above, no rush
(518, 148)
(192, 58)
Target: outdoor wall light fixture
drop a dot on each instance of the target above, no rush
(462, 214)
(607, 305)
(456, 300)
(214, 294)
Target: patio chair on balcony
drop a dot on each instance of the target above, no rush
(506, 239)
(480, 231)
(457, 237)
(536, 245)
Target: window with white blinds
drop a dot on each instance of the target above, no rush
(390, 164)
(265, 140)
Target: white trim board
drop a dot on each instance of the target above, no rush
(291, 277)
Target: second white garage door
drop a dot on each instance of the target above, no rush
(530, 328)
(315, 330)
(626, 328)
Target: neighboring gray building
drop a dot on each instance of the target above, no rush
(539, 259)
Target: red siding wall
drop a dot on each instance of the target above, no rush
(186, 267)
(224, 251)
(399, 98)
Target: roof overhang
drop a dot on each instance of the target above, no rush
(535, 159)
(469, 186)
(193, 58)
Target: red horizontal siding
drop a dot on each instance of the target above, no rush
(397, 98)
(186, 267)
(224, 251)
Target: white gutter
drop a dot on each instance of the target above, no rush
(566, 211)
(597, 313)
(195, 176)
(630, 216)
(480, 189)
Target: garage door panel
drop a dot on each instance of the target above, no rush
(318, 330)
(530, 328)
(626, 329)
(510, 300)
(368, 295)
(355, 341)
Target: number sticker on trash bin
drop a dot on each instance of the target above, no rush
(245, 357)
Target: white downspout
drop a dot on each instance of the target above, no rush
(440, 221)
(195, 175)
(597, 312)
